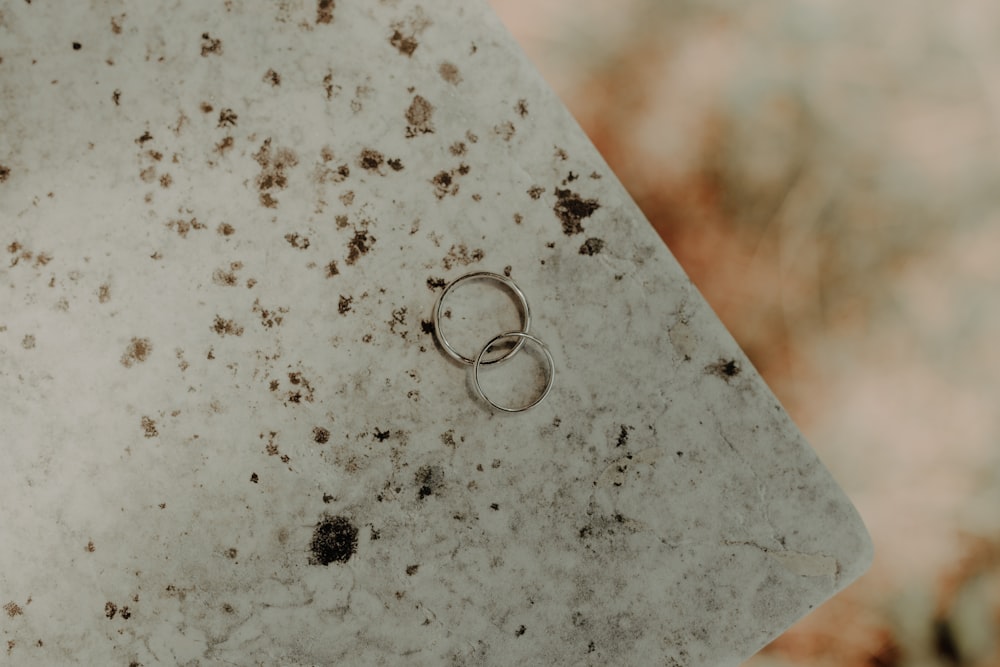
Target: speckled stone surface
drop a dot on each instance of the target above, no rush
(227, 434)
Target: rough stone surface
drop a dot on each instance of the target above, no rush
(228, 436)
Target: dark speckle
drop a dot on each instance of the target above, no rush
(724, 368)
(592, 246)
(449, 72)
(536, 191)
(137, 351)
(418, 115)
(272, 78)
(436, 283)
(381, 435)
(331, 269)
(77, 46)
(495, 506)
(405, 44)
(227, 118)
(324, 11)
(344, 306)
(520, 631)
(149, 427)
(321, 435)
(412, 569)
(225, 327)
(335, 540)
(370, 159)
(427, 326)
(623, 436)
(254, 478)
(521, 108)
(395, 163)
(146, 136)
(571, 209)
(210, 45)
(4, 173)
(360, 244)
(430, 480)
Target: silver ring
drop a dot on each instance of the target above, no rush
(550, 370)
(481, 275)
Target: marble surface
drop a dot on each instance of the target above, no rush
(228, 436)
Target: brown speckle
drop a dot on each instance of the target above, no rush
(225, 327)
(418, 115)
(166, 181)
(149, 427)
(404, 33)
(116, 24)
(505, 130)
(449, 72)
(227, 276)
(395, 163)
(460, 254)
(273, 165)
(321, 435)
(110, 609)
(4, 173)
(232, 553)
(536, 191)
(223, 146)
(334, 540)
(521, 108)
(182, 227)
(272, 77)
(412, 569)
(344, 305)
(210, 45)
(359, 245)
(592, 246)
(28, 342)
(225, 229)
(457, 149)
(137, 351)
(116, 97)
(328, 86)
(324, 11)
(227, 118)
(296, 241)
(571, 209)
(148, 175)
(206, 107)
(370, 159)
(13, 609)
(331, 269)
(90, 548)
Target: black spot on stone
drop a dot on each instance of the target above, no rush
(592, 246)
(395, 163)
(520, 631)
(412, 569)
(623, 436)
(430, 480)
(381, 435)
(436, 283)
(571, 209)
(724, 368)
(254, 478)
(335, 540)
(427, 326)
(77, 46)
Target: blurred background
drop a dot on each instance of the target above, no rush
(828, 173)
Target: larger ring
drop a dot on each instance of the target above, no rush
(481, 275)
(522, 336)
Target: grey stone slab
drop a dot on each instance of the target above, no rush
(228, 434)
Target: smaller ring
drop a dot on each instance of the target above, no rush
(481, 275)
(550, 371)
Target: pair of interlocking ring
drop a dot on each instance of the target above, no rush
(521, 336)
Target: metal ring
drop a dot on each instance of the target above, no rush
(481, 275)
(550, 371)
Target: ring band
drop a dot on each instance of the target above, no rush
(522, 303)
(522, 336)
